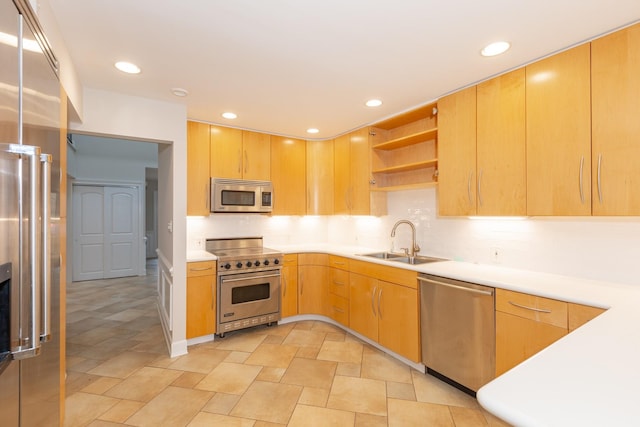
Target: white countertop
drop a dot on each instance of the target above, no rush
(587, 378)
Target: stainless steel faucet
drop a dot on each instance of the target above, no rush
(414, 246)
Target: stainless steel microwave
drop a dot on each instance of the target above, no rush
(238, 195)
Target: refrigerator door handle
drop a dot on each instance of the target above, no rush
(45, 332)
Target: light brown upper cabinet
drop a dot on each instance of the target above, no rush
(239, 154)
(288, 175)
(197, 169)
(319, 159)
(558, 123)
(500, 146)
(353, 186)
(457, 153)
(615, 86)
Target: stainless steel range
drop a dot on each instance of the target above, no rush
(248, 283)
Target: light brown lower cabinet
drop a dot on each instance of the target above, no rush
(338, 299)
(289, 286)
(201, 298)
(313, 283)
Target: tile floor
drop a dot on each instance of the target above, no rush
(300, 374)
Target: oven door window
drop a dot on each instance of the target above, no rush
(250, 293)
(238, 198)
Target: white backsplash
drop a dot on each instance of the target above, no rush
(594, 248)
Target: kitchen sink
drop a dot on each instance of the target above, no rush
(384, 255)
(395, 257)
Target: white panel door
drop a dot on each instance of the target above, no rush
(106, 233)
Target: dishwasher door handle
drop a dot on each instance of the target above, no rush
(462, 288)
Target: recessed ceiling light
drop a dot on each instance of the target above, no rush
(496, 48)
(373, 103)
(178, 91)
(127, 67)
(312, 130)
(229, 115)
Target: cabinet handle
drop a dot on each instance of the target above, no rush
(479, 184)
(213, 294)
(599, 176)
(301, 284)
(581, 187)
(338, 283)
(469, 187)
(200, 268)
(373, 294)
(246, 161)
(339, 310)
(537, 310)
(284, 288)
(339, 263)
(239, 161)
(379, 299)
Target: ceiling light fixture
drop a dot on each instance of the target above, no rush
(373, 103)
(496, 48)
(312, 130)
(127, 67)
(229, 115)
(178, 91)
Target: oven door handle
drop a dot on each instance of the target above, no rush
(249, 278)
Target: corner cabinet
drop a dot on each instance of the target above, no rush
(201, 298)
(404, 151)
(197, 169)
(320, 175)
(313, 283)
(289, 286)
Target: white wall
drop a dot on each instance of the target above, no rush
(594, 248)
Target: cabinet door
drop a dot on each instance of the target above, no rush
(518, 338)
(256, 156)
(363, 201)
(288, 175)
(363, 314)
(289, 288)
(342, 175)
(312, 289)
(500, 148)
(615, 85)
(558, 122)
(457, 153)
(226, 152)
(197, 169)
(398, 325)
(319, 160)
(201, 298)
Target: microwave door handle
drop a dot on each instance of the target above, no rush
(45, 333)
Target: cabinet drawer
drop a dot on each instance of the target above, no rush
(540, 309)
(201, 268)
(290, 259)
(339, 262)
(338, 309)
(339, 282)
(313, 259)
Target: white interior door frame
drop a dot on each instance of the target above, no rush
(140, 268)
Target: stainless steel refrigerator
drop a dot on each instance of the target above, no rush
(30, 225)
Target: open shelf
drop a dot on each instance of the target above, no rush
(405, 141)
(407, 187)
(408, 167)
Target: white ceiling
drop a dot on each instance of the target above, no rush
(286, 65)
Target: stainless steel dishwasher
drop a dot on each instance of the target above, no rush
(457, 322)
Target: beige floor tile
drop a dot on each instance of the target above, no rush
(325, 327)
(467, 417)
(126, 315)
(335, 336)
(206, 419)
(312, 416)
(310, 373)
(201, 361)
(123, 365)
(85, 366)
(76, 381)
(241, 341)
(308, 352)
(121, 411)
(403, 413)
(305, 338)
(305, 325)
(273, 375)
(101, 385)
(101, 423)
(221, 403)
(144, 384)
(268, 402)
(275, 356)
(368, 420)
(231, 378)
(358, 395)
(266, 424)
(274, 339)
(492, 420)
(379, 366)
(280, 330)
(237, 357)
(175, 406)
(314, 396)
(432, 390)
(188, 379)
(401, 391)
(341, 351)
(82, 408)
(349, 369)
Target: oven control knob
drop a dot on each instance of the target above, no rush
(239, 265)
(266, 262)
(227, 266)
(257, 263)
(249, 264)
(276, 261)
